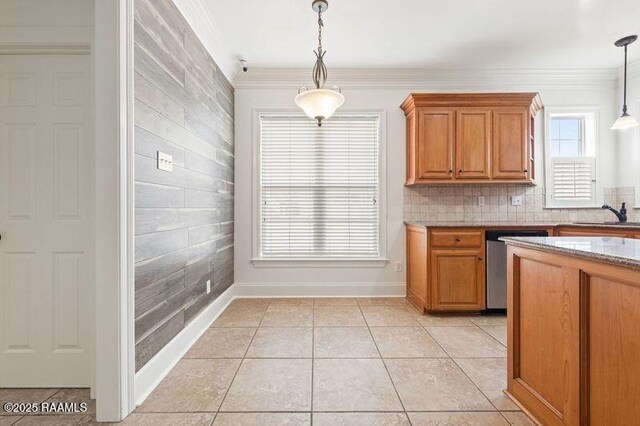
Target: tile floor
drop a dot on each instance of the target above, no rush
(334, 361)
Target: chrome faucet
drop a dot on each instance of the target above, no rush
(621, 215)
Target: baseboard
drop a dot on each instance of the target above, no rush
(159, 366)
(318, 289)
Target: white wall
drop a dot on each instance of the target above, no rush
(48, 13)
(250, 98)
(629, 140)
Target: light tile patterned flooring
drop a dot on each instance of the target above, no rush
(334, 361)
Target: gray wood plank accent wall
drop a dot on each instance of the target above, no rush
(184, 218)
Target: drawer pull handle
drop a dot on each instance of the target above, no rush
(457, 240)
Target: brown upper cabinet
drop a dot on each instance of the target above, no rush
(470, 138)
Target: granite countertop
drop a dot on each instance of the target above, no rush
(614, 225)
(621, 251)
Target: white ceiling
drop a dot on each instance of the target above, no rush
(444, 34)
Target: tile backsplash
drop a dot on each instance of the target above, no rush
(460, 204)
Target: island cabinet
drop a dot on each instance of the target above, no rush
(470, 138)
(573, 337)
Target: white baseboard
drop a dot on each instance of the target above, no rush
(152, 373)
(159, 366)
(317, 289)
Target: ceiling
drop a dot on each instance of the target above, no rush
(430, 34)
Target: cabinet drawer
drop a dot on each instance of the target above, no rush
(456, 238)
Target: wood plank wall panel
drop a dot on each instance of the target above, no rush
(184, 219)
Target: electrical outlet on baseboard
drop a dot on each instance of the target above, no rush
(208, 286)
(481, 200)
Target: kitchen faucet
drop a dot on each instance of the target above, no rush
(621, 215)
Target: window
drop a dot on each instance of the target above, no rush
(319, 188)
(571, 161)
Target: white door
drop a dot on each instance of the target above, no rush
(46, 221)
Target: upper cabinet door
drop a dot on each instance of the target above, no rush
(510, 147)
(473, 143)
(434, 140)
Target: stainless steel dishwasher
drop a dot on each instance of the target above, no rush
(496, 255)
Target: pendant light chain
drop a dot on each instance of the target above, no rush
(319, 69)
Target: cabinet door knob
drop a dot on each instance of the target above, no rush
(526, 171)
(480, 258)
(450, 170)
(460, 171)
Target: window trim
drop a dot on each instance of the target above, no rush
(576, 110)
(261, 262)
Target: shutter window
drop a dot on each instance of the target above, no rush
(319, 187)
(573, 181)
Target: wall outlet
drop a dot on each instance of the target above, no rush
(208, 286)
(516, 200)
(399, 266)
(481, 200)
(165, 162)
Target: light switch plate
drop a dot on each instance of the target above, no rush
(516, 200)
(165, 162)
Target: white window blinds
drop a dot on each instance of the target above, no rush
(319, 187)
(573, 180)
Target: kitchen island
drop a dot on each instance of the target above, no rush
(573, 334)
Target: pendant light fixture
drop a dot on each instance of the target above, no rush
(625, 121)
(319, 103)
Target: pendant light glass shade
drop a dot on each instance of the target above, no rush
(625, 122)
(319, 104)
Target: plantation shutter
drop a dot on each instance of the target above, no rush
(319, 187)
(573, 180)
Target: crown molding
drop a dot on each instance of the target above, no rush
(482, 79)
(204, 26)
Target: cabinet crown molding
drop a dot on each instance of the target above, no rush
(517, 99)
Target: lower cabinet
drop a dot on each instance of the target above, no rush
(446, 269)
(457, 278)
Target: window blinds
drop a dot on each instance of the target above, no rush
(573, 180)
(319, 187)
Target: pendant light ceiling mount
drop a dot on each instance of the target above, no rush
(319, 103)
(625, 121)
(624, 41)
(320, 6)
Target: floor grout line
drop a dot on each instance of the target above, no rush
(313, 362)
(385, 366)
(240, 363)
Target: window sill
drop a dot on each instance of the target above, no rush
(319, 263)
